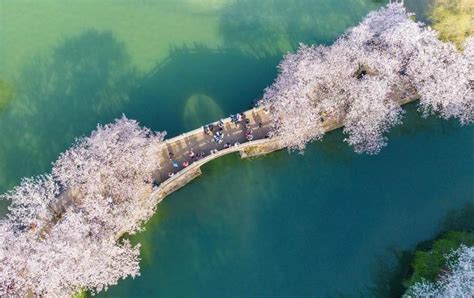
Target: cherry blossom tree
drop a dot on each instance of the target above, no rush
(110, 170)
(31, 201)
(362, 78)
(291, 95)
(63, 229)
(457, 282)
(443, 78)
(370, 115)
(61, 234)
(71, 258)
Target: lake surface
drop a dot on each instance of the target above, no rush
(325, 223)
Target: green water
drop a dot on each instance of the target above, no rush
(325, 223)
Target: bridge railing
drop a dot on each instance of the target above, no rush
(200, 129)
(161, 189)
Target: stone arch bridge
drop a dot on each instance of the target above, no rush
(200, 142)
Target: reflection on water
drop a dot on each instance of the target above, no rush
(393, 268)
(280, 225)
(199, 107)
(230, 77)
(272, 27)
(59, 97)
(6, 94)
(389, 272)
(415, 124)
(147, 27)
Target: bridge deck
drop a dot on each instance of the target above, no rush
(201, 143)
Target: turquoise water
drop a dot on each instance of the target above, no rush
(322, 224)
(325, 223)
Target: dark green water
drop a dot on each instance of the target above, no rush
(325, 223)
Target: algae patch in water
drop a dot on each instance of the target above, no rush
(6, 94)
(199, 109)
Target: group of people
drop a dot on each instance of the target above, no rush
(242, 118)
(218, 137)
(216, 130)
(237, 118)
(248, 130)
(192, 156)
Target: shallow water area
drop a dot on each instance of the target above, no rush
(321, 224)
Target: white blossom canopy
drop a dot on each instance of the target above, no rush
(457, 282)
(61, 233)
(361, 78)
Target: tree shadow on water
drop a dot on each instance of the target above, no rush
(59, 96)
(389, 273)
(459, 220)
(334, 149)
(197, 85)
(414, 124)
(6, 94)
(272, 27)
(88, 79)
(394, 267)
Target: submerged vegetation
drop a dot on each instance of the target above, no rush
(6, 93)
(453, 19)
(61, 235)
